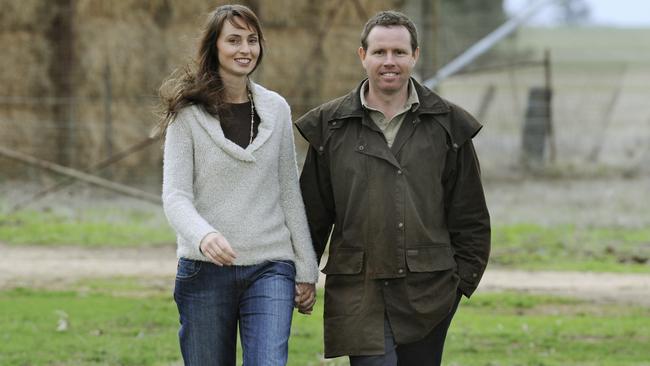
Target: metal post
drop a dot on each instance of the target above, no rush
(549, 87)
(108, 118)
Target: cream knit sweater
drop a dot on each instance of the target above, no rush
(251, 196)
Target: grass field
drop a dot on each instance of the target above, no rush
(566, 247)
(123, 322)
(524, 246)
(86, 227)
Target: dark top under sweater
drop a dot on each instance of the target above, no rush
(236, 123)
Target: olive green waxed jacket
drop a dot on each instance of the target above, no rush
(409, 225)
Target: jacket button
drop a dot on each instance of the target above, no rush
(385, 283)
(455, 145)
(474, 275)
(320, 148)
(401, 270)
(400, 225)
(399, 172)
(361, 147)
(334, 123)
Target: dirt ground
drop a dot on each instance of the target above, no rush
(58, 267)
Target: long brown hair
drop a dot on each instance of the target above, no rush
(201, 84)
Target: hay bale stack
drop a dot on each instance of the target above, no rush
(80, 77)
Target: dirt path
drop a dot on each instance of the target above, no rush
(601, 287)
(56, 267)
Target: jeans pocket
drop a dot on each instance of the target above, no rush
(187, 269)
(285, 262)
(284, 266)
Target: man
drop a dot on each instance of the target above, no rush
(391, 167)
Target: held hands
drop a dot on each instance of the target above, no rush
(217, 249)
(305, 297)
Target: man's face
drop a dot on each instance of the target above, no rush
(389, 59)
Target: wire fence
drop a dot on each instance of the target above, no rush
(601, 121)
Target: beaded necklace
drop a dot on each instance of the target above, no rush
(250, 98)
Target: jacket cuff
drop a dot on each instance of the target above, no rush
(467, 288)
(469, 279)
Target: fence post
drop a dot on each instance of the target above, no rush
(548, 84)
(535, 131)
(108, 117)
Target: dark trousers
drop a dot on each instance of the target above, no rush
(425, 352)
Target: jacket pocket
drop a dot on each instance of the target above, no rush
(430, 258)
(344, 261)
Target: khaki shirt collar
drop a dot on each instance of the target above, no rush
(412, 101)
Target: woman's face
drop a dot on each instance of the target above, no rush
(238, 49)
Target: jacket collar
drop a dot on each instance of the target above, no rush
(412, 101)
(350, 106)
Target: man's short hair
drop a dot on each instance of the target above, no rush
(389, 18)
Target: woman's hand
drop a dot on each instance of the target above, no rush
(305, 297)
(217, 249)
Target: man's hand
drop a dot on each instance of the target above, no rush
(305, 297)
(217, 249)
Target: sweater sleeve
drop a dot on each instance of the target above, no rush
(178, 190)
(293, 206)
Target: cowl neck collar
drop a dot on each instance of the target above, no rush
(264, 109)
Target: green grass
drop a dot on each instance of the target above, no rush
(571, 248)
(87, 228)
(124, 322)
(526, 246)
(102, 329)
(512, 329)
(111, 322)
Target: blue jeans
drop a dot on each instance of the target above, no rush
(213, 300)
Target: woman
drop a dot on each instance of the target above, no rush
(231, 193)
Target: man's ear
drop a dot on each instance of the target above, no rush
(362, 54)
(416, 55)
